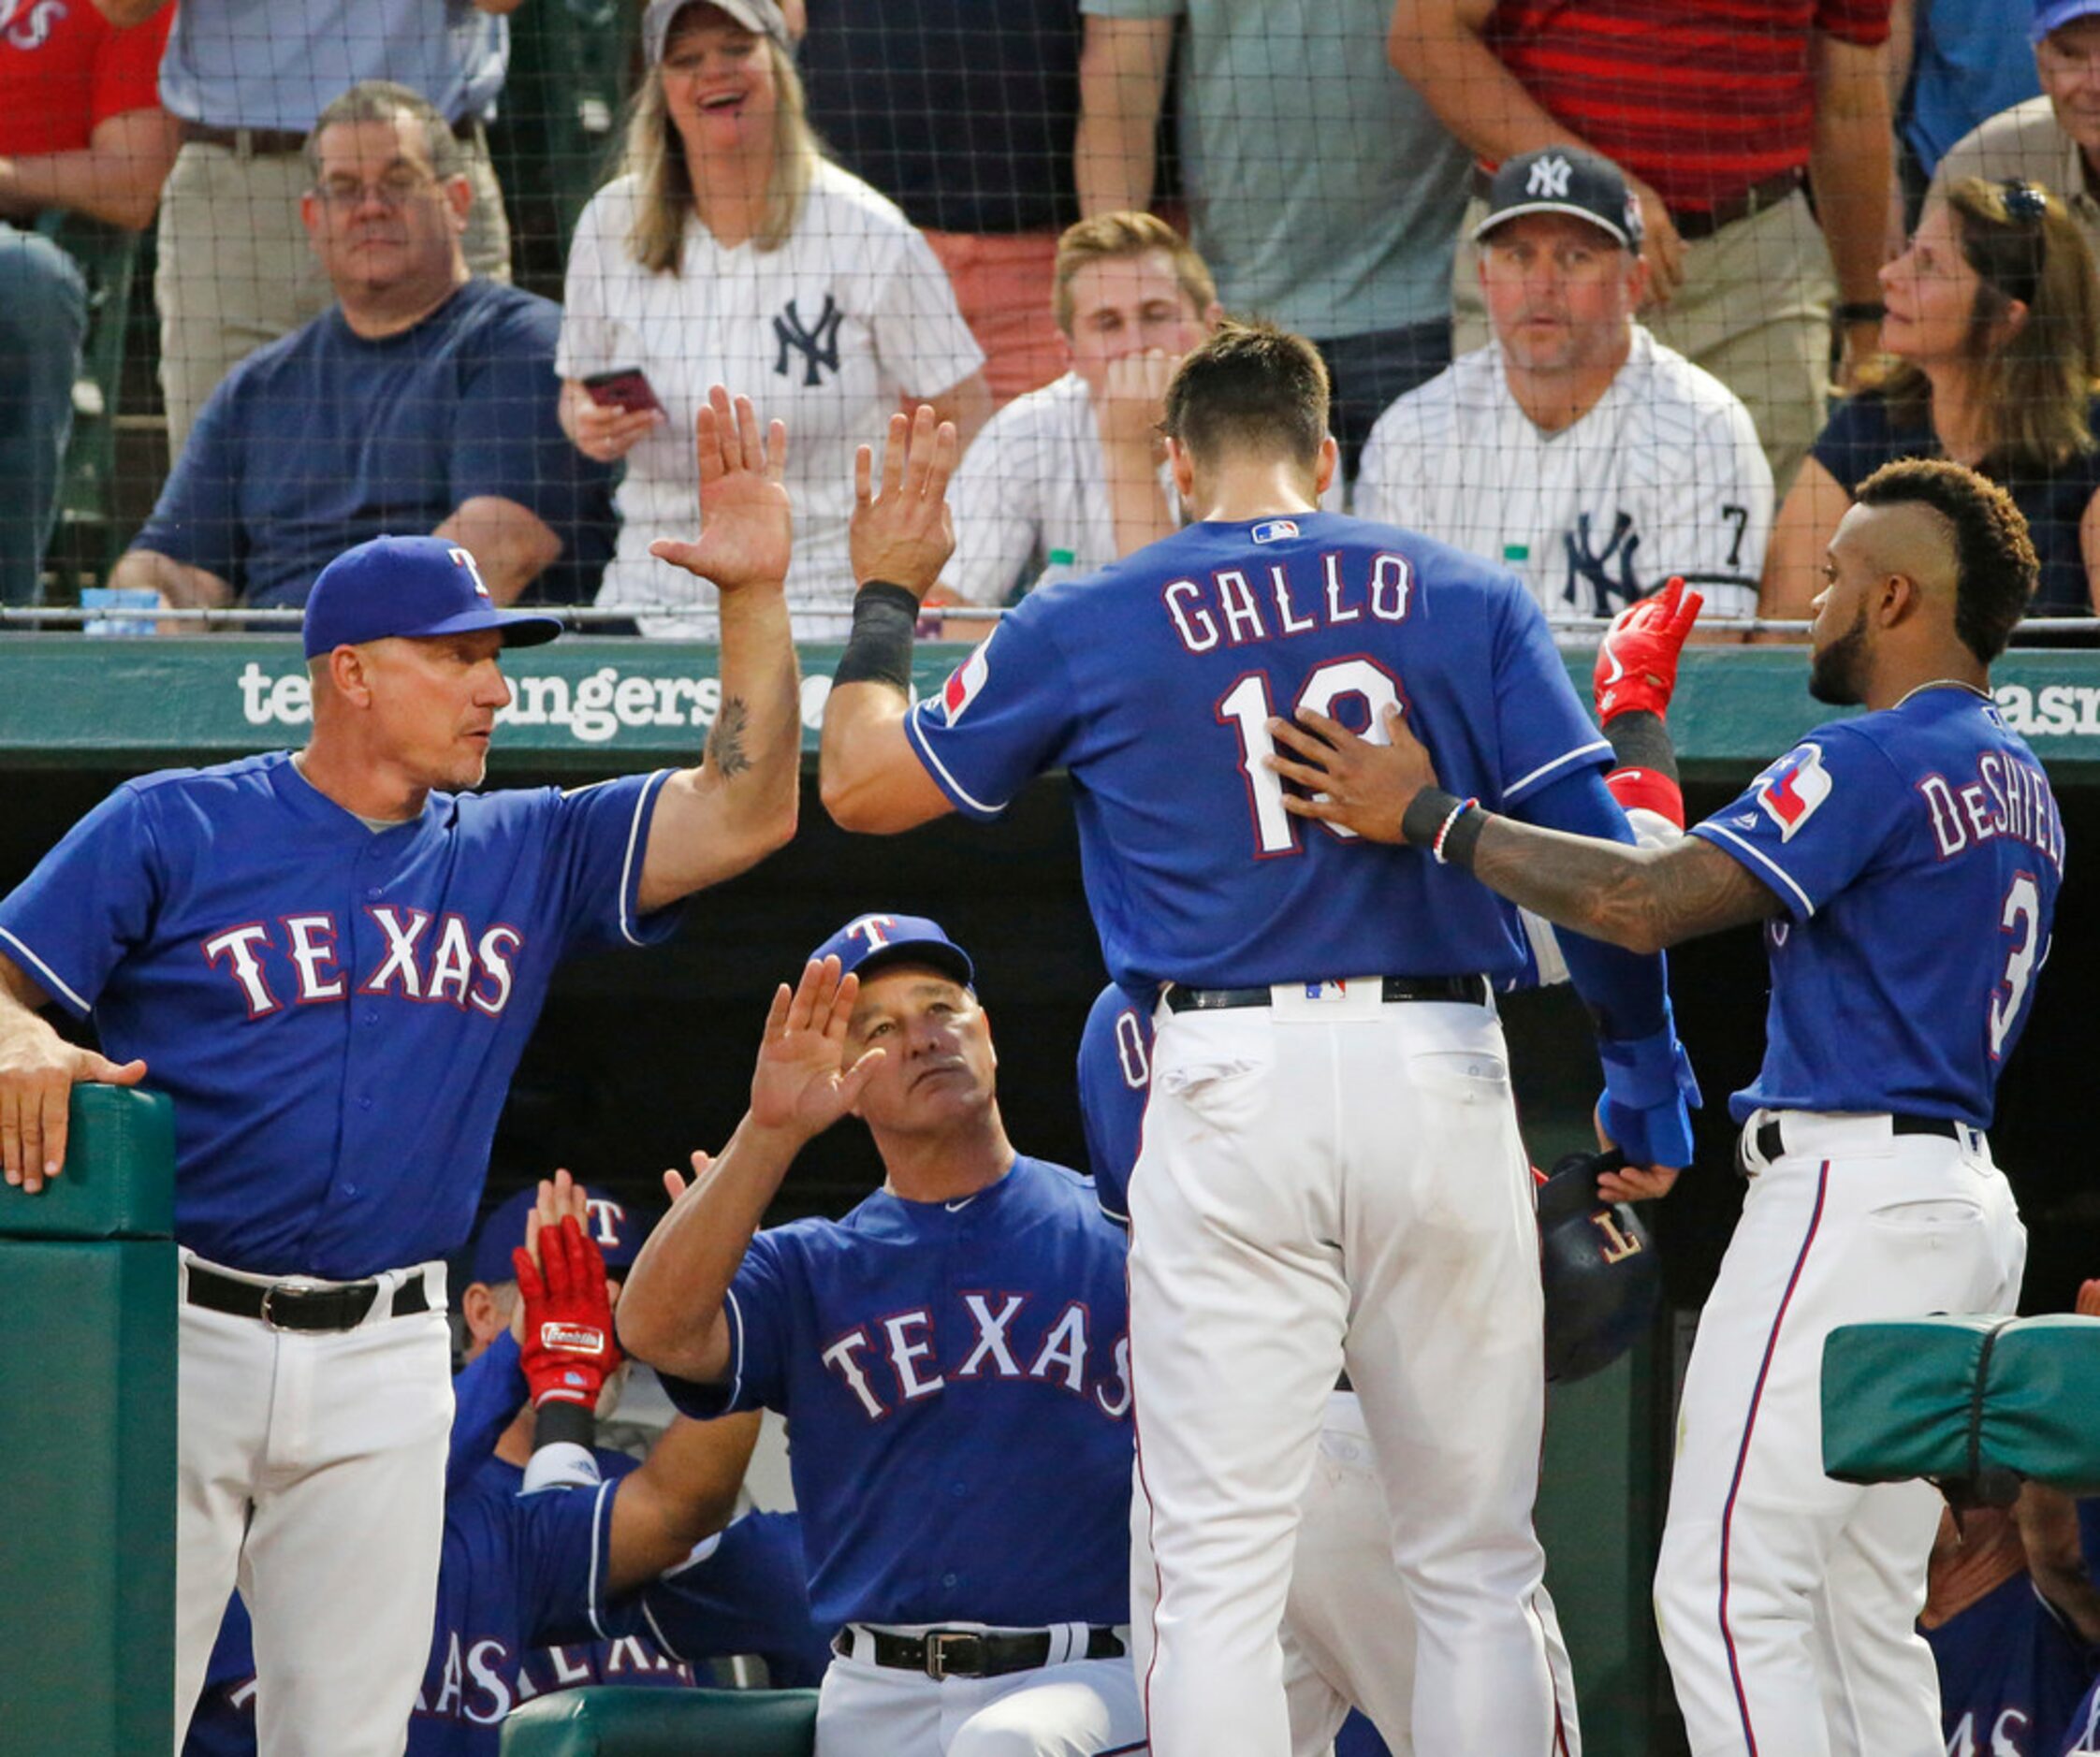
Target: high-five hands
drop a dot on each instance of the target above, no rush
(566, 1346)
(904, 534)
(747, 531)
(1636, 658)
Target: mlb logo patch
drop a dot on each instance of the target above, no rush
(1794, 788)
(962, 687)
(1273, 530)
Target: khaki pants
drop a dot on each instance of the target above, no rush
(1755, 310)
(236, 270)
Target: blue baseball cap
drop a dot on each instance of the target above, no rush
(409, 586)
(869, 942)
(2052, 14)
(616, 1228)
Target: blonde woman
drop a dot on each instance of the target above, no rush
(1994, 337)
(731, 251)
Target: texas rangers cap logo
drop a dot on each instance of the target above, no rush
(1794, 788)
(962, 688)
(464, 560)
(874, 929)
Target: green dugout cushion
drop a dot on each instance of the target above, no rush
(119, 1178)
(1957, 1399)
(608, 1721)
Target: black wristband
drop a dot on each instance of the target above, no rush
(575, 1423)
(1458, 839)
(1425, 815)
(880, 649)
(1860, 312)
(1639, 740)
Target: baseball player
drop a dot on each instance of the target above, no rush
(1330, 1129)
(951, 1358)
(1348, 1627)
(1576, 449)
(520, 1568)
(331, 959)
(1905, 866)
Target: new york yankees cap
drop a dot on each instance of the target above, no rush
(2054, 14)
(868, 942)
(762, 16)
(409, 586)
(1565, 180)
(617, 1228)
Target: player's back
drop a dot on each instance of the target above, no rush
(1154, 682)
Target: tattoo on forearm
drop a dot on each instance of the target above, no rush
(725, 743)
(1620, 895)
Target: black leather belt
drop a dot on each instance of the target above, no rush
(1770, 1136)
(1471, 991)
(971, 1653)
(283, 1307)
(278, 142)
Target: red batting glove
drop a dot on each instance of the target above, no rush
(1637, 660)
(569, 1348)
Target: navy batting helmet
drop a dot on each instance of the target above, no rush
(1602, 1279)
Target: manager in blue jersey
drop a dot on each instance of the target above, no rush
(1331, 1172)
(331, 960)
(951, 1358)
(1904, 864)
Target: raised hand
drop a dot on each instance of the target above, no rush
(745, 521)
(1357, 783)
(566, 1348)
(1637, 660)
(802, 1084)
(675, 1183)
(905, 533)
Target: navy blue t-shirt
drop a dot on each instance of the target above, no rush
(2011, 1673)
(960, 111)
(1863, 433)
(324, 439)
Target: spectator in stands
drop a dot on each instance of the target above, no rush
(1070, 477)
(423, 401)
(1575, 449)
(2054, 139)
(2013, 1621)
(248, 81)
(1951, 69)
(81, 131)
(1993, 328)
(1715, 112)
(987, 176)
(1321, 189)
(731, 251)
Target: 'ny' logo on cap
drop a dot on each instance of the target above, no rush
(1548, 178)
(870, 928)
(460, 557)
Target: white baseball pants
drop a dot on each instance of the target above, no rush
(1080, 1709)
(1333, 1180)
(1788, 1601)
(310, 1471)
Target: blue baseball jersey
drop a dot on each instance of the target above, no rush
(746, 1590)
(957, 1379)
(336, 1012)
(2011, 1673)
(1153, 681)
(1115, 1079)
(1916, 852)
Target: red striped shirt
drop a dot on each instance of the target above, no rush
(1700, 98)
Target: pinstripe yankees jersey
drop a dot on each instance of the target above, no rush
(1665, 475)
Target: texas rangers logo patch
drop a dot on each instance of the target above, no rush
(962, 688)
(1794, 788)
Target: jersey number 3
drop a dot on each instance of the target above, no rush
(1247, 708)
(2020, 921)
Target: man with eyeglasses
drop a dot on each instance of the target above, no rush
(2054, 139)
(1576, 449)
(422, 401)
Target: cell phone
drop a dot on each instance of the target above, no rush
(625, 387)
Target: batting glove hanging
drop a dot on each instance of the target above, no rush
(569, 1349)
(1637, 660)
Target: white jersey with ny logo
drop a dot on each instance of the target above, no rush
(827, 333)
(1665, 475)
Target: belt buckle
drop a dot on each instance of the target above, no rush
(269, 1319)
(937, 1642)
